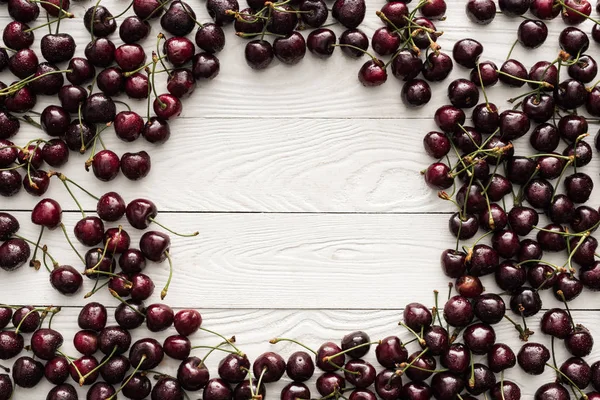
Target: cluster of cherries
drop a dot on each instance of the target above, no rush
(99, 263)
(440, 366)
(508, 194)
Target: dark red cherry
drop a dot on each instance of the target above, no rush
(532, 358)
(501, 357)
(135, 166)
(458, 311)
(210, 38)
(66, 280)
(233, 368)
(111, 207)
(133, 29)
(270, 366)
(390, 351)
(27, 372)
(92, 316)
(320, 42)
(146, 353)
(525, 299)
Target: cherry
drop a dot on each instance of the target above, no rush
(466, 52)
(99, 108)
(505, 390)
(22, 100)
(137, 86)
(177, 347)
(501, 357)
(100, 390)
(10, 125)
(390, 352)
(148, 9)
(155, 245)
(116, 240)
(100, 21)
(80, 71)
(576, 11)
(128, 125)
(349, 13)
(330, 349)
(544, 138)
(584, 70)
(589, 276)
(424, 365)
(130, 315)
(514, 73)
(71, 97)
(133, 29)
(577, 371)
(232, 368)
(217, 9)
(217, 389)
(146, 354)
(579, 187)
(532, 358)
(137, 385)
(5, 316)
(448, 118)
(210, 38)
(86, 342)
(192, 374)
(17, 36)
(58, 47)
(113, 338)
(244, 390)
(92, 316)
(330, 383)
(132, 261)
(300, 366)
(458, 311)
(320, 42)
(463, 227)
(56, 370)
(295, 390)
(179, 19)
(66, 280)
(23, 11)
(27, 372)
(489, 308)
(437, 144)
(456, 358)
(557, 323)
(485, 73)
(45, 342)
(538, 193)
(579, 342)
(436, 67)
(552, 391)
(482, 380)
(270, 366)
(446, 385)
(159, 317)
(10, 183)
(528, 299)
(11, 344)
(416, 93)
(463, 93)
(532, 33)
(111, 207)
(85, 370)
(453, 263)
(156, 130)
(416, 391)
(481, 11)
(544, 9)
(13, 254)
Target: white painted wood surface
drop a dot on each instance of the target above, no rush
(305, 187)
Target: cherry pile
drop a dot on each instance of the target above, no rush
(519, 176)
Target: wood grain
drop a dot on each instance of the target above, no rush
(254, 327)
(283, 261)
(250, 165)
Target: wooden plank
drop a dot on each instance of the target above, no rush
(253, 328)
(327, 88)
(283, 261)
(325, 165)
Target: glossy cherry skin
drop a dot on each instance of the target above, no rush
(501, 357)
(11, 344)
(45, 342)
(425, 364)
(509, 391)
(66, 279)
(56, 370)
(129, 318)
(489, 308)
(177, 347)
(27, 372)
(329, 383)
(13, 254)
(154, 245)
(270, 365)
(300, 366)
(159, 317)
(138, 386)
(579, 342)
(210, 38)
(295, 390)
(135, 166)
(140, 213)
(16, 37)
(118, 240)
(532, 358)
(320, 42)
(92, 316)
(86, 342)
(217, 389)
(156, 130)
(99, 108)
(151, 349)
(390, 352)
(552, 391)
(192, 375)
(114, 338)
(133, 29)
(232, 368)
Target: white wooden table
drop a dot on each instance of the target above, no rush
(314, 220)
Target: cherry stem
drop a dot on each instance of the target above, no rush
(216, 348)
(564, 300)
(161, 6)
(114, 396)
(111, 274)
(160, 37)
(47, 23)
(512, 48)
(523, 333)
(421, 354)
(471, 381)
(122, 12)
(101, 258)
(116, 296)
(419, 338)
(436, 312)
(95, 289)
(45, 310)
(355, 48)
(260, 378)
(277, 340)
(553, 353)
(231, 343)
(35, 263)
(173, 232)
(326, 359)
(60, 10)
(93, 19)
(63, 178)
(487, 102)
(163, 293)
(83, 378)
(62, 226)
(541, 83)
(562, 3)
(558, 371)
